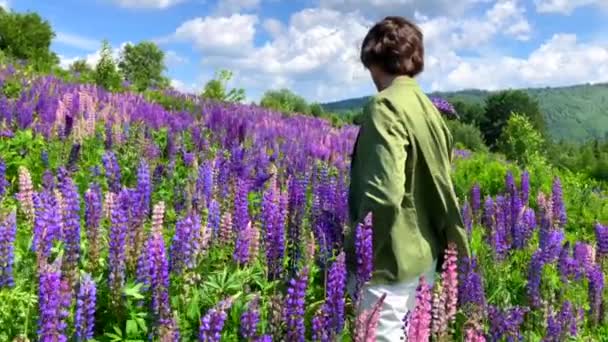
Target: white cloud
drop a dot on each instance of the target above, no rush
(236, 6)
(172, 58)
(5, 4)
(154, 4)
(217, 36)
(190, 88)
(77, 41)
(561, 60)
(565, 6)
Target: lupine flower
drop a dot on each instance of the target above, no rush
(506, 324)
(596, 290)
(242, 246)
(250, 319)
(295, 306)
(92, 217)
(71, 227)
(488, 213)
(583, 255)
(4, 184)
(158, 215)
(551, 247)
(557, 204)
(8, 231)
(470, 287)
(254, 241)
(186, 243)
(84, 318)
(476, 199)
(51, 324)
(25, 196)
(601, 235)
(444, 107)
(297, 206)
(444, 307)
(318, 324)
(474, 335)
(159, 285)
(241, 217)
(419, 325)
(334, 302)
(213, 219)
(364, 252)
(367, 322)
(225, 234)
(112, 171)
(117, 257)
(566, 264)
(212, 323)
(467, 218)
(534, 278)
(47, 225)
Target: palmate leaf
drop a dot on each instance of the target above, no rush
(133, 290)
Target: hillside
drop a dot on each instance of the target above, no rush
(573, 113)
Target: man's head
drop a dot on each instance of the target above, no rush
(393, 47)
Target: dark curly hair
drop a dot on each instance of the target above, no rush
(395, 45)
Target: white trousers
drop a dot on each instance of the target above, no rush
(400, 299)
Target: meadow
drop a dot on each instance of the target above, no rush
(122, 220)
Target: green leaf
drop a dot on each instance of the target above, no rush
(132, 328)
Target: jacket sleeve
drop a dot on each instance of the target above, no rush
(381, 154)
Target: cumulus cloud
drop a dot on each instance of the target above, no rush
(172, 58)
(91, 58)
(153, 4)
(565, 6)
(380, 8)
(217, 35)
(561, 60)
(77, 41)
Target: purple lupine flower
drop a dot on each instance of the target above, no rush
(144, 190)
(419, 323)
(8, 231)
(47, 224)
(295, 306)
(524, 228)
(250, 320)
(112, 168)
(214, 217)
(467, 218)
(241, 215)
(566, 264)
(212, 323)
(596, 290)
(499, 235)
(274, 230)
(48, 180)
(601, 235)
(4, 184)
(92, 217)
(470, 286)
(242, 246)
(534, 277)
(525, 188)
(562, 325)
(583, 255)
(204, 183)
(334, 303)
(297, 207)
(488, 213)
(552, 246)
(444, 107)
(476, 199)
(510, 186)
(364, 253)
(554, 328)
(143, 269)
(557, 204)
(159, 284)
(71, 227)
(51, 325)
(84, 318)
(318, 324)
(186, 243)
(117, 245)
(506, 323)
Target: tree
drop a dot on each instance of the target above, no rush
(26, 36)
(520, 141)
(498, 110)
(469, 112)
(215, 89)
(143, 65)
(316, 110)
(81, 67)
(466, 135)
(106, 74)
(285, 101)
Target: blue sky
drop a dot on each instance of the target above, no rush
(311, 46)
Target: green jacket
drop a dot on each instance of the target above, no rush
(400, 173)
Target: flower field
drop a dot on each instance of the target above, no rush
(121, 220)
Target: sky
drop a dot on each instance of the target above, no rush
(312, 46)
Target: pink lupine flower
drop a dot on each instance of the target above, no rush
(474, 335)
(158, 214)
(25, 196)
(367, 322)
(419, 325)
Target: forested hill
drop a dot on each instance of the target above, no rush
(574, 113)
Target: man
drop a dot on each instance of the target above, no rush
(400, 173)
